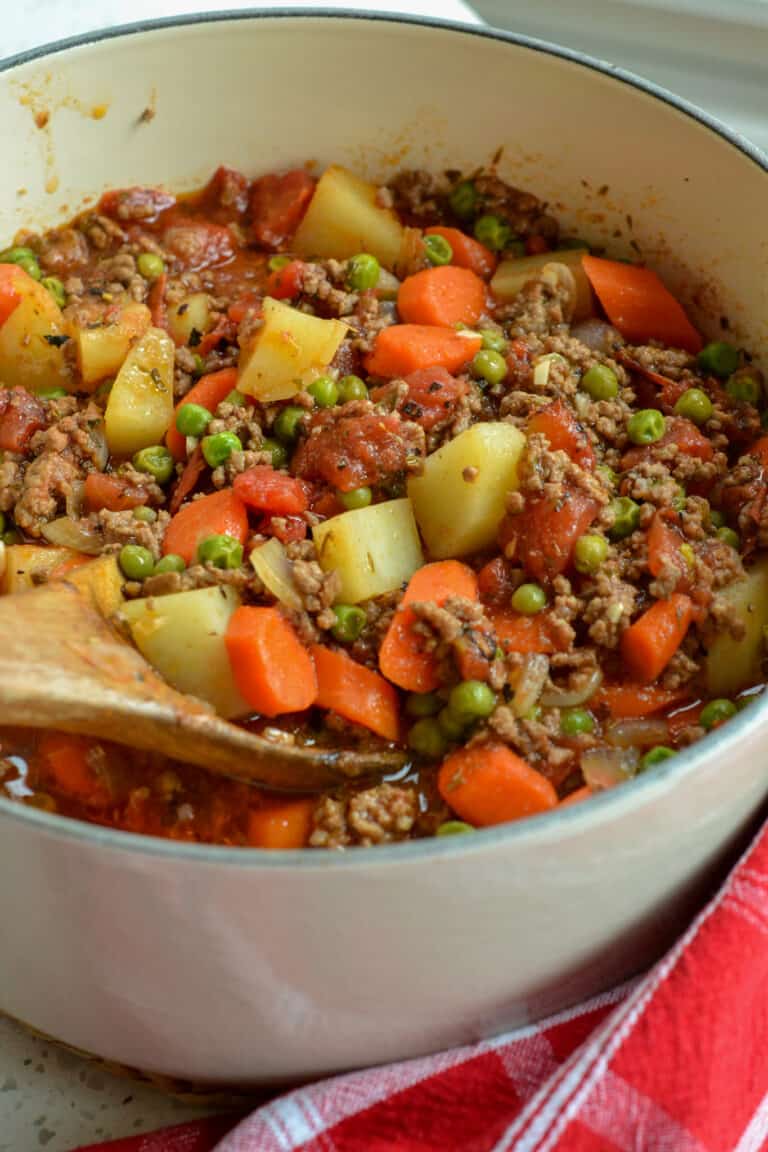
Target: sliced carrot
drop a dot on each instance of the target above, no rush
(402, 657)
(516, 633)
(639, 305)
(266, 489)
(209, 392)
(281, 826)
(467, 252)
(563, 431)
(577, 796)
(489, 784)
(272, 669)
(625, 701)
(649, 644)
(356, 693)
(544, 535)
(112, 492)
(69, 765)
(221, 513)
(442, 296)
(404, 348)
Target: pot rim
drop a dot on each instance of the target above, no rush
(605, 806)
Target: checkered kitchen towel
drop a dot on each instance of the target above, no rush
(676, 1061)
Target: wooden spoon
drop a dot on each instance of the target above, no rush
(62, 666)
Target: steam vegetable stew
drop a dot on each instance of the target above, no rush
(389, 464)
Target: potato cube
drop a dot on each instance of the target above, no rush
(732, 664)
(192, 314)
(344, 218)
(287, 352)
(32, 338)
(140, 406)
(27, 565)
(374, 550)
(102, 350)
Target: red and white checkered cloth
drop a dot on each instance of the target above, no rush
(676, 1061)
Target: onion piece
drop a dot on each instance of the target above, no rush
(273, 568)
(527, 683)
(98, 435)
(542, 366)
(606, 767)
(596, 334)
(74, 534)
(555, 698)
(637, 732)
(387, 286)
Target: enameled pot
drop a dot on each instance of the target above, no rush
(224, 966)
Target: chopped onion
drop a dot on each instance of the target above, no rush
(273, 568)
(100, 448)
(74, 499)
(75, 534)
(555, 698)
(542, 367)
(387, 285)
(596, 334)
(605, 767)
(637, 732)
(527, 683)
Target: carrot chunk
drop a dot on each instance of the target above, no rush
(221, 513)
(404, 348)
(489, 784)
(356, 693)
(209, 392)
(649, 644)
(272, 669)
(639, 305)
(442, 296)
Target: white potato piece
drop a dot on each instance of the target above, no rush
(193, 313)
(140, 406)
(735, 664)
(33, 336)
(182, 636)
(102, 350)
(374, 550)
(286, 352)
(344, 218)
(511, 276)
(103, 579)
(27, 565)
(459, 498)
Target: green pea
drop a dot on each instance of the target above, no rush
(217, 449)
(144, 514)
(744, 388)
(350, 621)
(351, 388)
(576, 721)
(716, 519)
(192, 420)
(427, 738)
(363, 272)
(423, 704)
(600, 382)
(56, 289)
(646, 426)
(463, 200)
(289, 423)
(53, 392)
(589, 553)
(454, 828)
(150, 265)
(156, 462)
(489, 366)
(221, 551)
(529, 599)
(11, 536)
(609, 477)
(324, 391)
(357, 498)
(494, 341)
(169, 563)
(493, 232)
(655, 756)
(694, 405)
(136, 562)
(472, 699)
(26, 258)
(278, 452)
(716, 712)
(452, 725)
(236, 399)
(275, 263)
(626, 517)
(438, 250)
(719, 358)
(728, 536)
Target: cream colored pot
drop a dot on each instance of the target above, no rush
(220, 965)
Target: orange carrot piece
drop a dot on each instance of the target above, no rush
(649, 644)
(577, 796)
(404, 348)
(281, 826)
(467, 252)
(402, 658)
(490, 784)
(516, 633)
(625, 701)
(221, 513)
(442, 296)
(104, 490)
(209, 392)
(356, 693)
(273, 670)
(69, 764)
(639, 305)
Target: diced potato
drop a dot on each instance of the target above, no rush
(140, 406)
(374, 550)
(101, 351)
(343, 219)
(182, 636)
(287, 351)
(27, 565)
(459, 498)
(193, 313)
(103, 579)
(32, 339)
(735, 664)
(512, 275)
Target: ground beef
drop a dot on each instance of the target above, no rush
(323, 286)
(11, 480)
(61, 250)
(378, 815)
(609, 607)
(49, 486)
(318, 591)
(119, 528)
(102, 232)
(199, 576)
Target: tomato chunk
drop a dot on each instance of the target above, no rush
(278, 203)
(266, 490)
(545, 534)
(350, 452)
(21, 415)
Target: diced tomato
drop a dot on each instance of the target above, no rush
(349, 452)
(545, 534)
(197, 243)
(225, 329)
(225, 196)
(114, 493)
(278, 203)
(516, 633)
(679, 431)
(325, 503)
(564, 433)
(286, 529)
(432, 399)
(239, 309)
(266, 490)
(21, 415)
(495, 581)
(285, 283)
